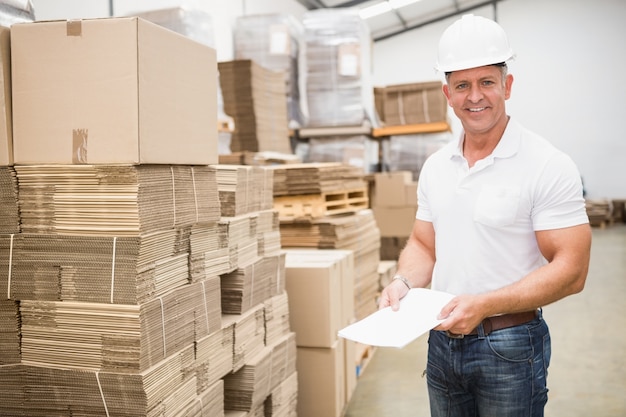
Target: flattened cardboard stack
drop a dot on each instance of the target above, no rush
(6, 114)
(244, 189)
(338, 57)
(412, 103)
(248, 286)
(256, 99)
(119, 200)
(9, 332)
(315, 178)
(254, 300)
(113, 287)
(273, 41)
(9, 207)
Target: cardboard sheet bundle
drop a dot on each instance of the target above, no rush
(214, 355)
(102, 269)
(115, 200)
(248, 286)
(244, 189)
(249, 334)
(283, 400)
(315, 178)
(259, 158)
(283, 359)
(248, 387)
(268, 232)
(256, 98)
(356, 231)
(165, 389)
(279, 51)
(208, 256)
(118, 337)
(242, 242)
(276, 318)
(9, 332)
(249, 237)
(9, 207)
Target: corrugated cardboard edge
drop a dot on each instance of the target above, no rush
(6, 120)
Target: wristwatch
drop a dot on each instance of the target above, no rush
(403, 279)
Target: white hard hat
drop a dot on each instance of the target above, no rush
(470, 42)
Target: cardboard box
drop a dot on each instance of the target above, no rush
(414, 103)
(6, 126)
(351, 364)
(345, 259)
(395, 221)
(410, 193)
(321, 381)
(391, 247)
(314, 290)
(389, 188)
(115, 90)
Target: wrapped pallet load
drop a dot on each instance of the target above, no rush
(338, 60)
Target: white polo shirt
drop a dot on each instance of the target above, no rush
(485, 217)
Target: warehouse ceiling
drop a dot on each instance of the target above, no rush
(402, 18)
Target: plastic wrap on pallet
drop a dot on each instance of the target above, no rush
(197, 25)
(192, 23)
(16, 11)
(409, 152)
(359, 151)
(273, 41)
(338, 81)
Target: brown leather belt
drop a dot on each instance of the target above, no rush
(494, 323)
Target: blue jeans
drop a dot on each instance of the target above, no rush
(502, 374)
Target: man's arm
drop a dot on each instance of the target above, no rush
(567, 251)
(415, 263)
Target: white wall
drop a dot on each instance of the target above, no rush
(570, 56)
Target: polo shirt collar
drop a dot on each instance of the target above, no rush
(507, 147)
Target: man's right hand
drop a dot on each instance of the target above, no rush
(392, 294)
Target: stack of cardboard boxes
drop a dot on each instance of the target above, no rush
(320, 284)
(394, 205)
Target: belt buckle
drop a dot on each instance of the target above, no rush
(454, 335)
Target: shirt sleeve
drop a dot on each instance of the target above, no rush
(559, 200)
(423, 208)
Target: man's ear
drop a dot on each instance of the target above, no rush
(507, 85)
(446, 92)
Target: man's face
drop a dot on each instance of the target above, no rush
(477, 96)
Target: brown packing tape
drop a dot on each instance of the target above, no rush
(74, 28)
(79, 145)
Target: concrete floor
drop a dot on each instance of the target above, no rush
(587, 376)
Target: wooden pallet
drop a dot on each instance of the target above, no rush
(307, 206)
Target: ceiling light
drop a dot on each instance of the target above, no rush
(375, 10)
(396, 4)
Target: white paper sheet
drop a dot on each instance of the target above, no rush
(417, 314)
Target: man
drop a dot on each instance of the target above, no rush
(501, 224)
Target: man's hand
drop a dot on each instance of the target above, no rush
(461, 315)
(392, 294)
